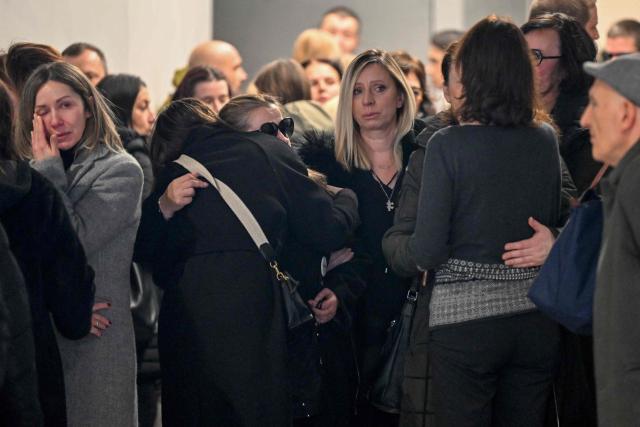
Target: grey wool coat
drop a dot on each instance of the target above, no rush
(101, 191)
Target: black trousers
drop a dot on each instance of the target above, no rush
(493, 372)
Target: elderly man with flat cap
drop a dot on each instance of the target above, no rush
(613, 118)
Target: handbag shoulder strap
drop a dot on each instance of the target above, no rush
(234, 202)
(599, 176)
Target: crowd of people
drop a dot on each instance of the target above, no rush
(133, 287)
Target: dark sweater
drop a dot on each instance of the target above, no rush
(480, 185)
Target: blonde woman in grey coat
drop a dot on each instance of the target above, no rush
(64, 126)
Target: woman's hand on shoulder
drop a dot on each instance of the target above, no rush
(41, 147)
(179, 194)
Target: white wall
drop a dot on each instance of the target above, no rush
(150, 38)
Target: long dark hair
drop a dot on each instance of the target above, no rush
(576, 47)
(285, 79)
(7, 151)
(121, 90)
(172, 127)
(196, 75)
(497, 74)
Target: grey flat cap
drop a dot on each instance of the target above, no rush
(622, 74)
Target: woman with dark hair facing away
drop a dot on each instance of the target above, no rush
(222, 331)
(129, 100)
(492, 355)
(206, 84)
(64, 126)
(561, 45)
(23, 58)
(58, 280)
(413, 69)
(374, 139)
(285, 80)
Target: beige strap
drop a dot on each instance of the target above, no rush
(229, 196)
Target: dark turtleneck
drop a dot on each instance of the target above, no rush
(68, 156)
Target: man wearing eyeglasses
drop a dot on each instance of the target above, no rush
(623, 38)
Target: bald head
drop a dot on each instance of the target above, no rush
(223, 56)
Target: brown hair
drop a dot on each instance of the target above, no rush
(172, 127)
(235, 113)
(284, 79)
(497, 74)
(23, 59)
(626, 28)
(195, 75)
(410, 64)
(99, 129)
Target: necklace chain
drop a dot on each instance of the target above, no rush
(390, 205)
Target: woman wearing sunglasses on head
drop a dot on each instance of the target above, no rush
(222, 334)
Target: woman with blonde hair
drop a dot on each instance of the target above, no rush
(374, 138)
(313, 44)
(65, 127)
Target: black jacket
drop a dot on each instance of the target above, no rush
(19, 404)
(385, 292)
(575, 141)
(59, 281)
(222, 335)
(137, 146)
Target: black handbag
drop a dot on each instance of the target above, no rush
(386, 391)
(297, 312)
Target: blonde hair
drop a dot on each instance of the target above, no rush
(99, 128)
(313, 44)
(348, 145)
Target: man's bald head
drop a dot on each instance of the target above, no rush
(223, 56)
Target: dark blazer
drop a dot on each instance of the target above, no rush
(616, 318)
(222, 335)
(58, 279)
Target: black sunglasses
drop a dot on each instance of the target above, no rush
(537, 53)
(607, 56)
(285, 126)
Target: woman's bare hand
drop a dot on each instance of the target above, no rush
(530, 252)
(41, 147)
(179, 194)
(99, 323)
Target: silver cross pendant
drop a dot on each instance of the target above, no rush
(390, 205)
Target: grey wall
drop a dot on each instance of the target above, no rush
(264, 30)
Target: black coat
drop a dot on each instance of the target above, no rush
(222, 335)
(575, 141)
(385, 291)
(58, 278)
(19, 404)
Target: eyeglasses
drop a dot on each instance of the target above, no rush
(285, 126)
(607, 56)
(537, 53)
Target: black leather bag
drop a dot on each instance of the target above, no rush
(386, 391)
(296, 310)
